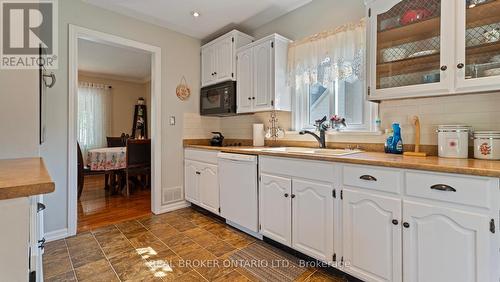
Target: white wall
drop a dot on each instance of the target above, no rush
(180, 56)
(125, 93)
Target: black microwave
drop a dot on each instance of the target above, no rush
(218, 99)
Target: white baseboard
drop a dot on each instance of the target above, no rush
(56, 235)
(174, 206)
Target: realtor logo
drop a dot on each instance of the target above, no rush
(28, 26)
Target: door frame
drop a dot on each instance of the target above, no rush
(75, 33)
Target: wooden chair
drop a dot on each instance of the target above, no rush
(84, 171)
(117, 141)
(138, 161)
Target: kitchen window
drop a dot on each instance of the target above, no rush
(327, 75)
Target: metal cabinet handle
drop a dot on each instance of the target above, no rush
(293, 196)
(40, 207)
(198, 172)
(42, 243)
(249, 98)
(395, 222)
(443, 187)
(443, 68)
(286, 195)
(367, 178)
(253, 98)
(460, 66)
(52, 80)
(406, 225)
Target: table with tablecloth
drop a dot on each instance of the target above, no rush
(106, 159)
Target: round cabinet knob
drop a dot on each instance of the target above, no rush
(395, 222)
(253, 98)
(249, 98)
(286, 195)
(460, 66)
(443, 68)
(293, 196)
(406, 225)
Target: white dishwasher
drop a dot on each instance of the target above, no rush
(238, 191)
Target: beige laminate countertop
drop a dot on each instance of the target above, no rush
(24, 178)
(460, 166)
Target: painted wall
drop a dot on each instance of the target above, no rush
(477, 110)
(124, 97)
(180, 56)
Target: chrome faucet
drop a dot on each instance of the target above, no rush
(322, 128)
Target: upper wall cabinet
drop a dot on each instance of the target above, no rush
(218, 57)
(432, 47)
(262, 78)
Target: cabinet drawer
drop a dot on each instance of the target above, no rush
(317, 170)
(373, 178)
(453, 188)
(204, 156)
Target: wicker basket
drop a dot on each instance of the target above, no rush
(183, 92)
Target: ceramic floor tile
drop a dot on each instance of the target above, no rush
(56, 263)
(64, 277)
(131, 229)
(183, 225)
(233, 276)
(191, 276)
(130, 266)
(219, 249)
(214, 268)
(96, 271)
(321, 276)
(147, 240)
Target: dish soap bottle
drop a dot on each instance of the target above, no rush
(396, 145)
(388, 140)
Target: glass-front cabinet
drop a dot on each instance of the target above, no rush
(478, 45)
(423, 48)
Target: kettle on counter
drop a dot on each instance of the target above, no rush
(217, 140)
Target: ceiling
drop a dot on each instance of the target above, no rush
(215, 14)
(114, 61)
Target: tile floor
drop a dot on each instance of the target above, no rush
(184, 245)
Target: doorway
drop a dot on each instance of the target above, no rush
(101, 68)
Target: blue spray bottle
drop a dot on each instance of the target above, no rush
(396, 144)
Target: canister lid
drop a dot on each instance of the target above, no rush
(487, 133)
(454, 128)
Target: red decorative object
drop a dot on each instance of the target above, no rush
(485, 149)
(416, 15)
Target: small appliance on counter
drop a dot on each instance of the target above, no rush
(217, 140)
(487, 145)
(453, 141)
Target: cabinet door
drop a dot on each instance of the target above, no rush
(191, 181)
(263, 74)
(207, 65)
(371, 240)
(410, 43)
(275, 208)
(209, 187)
(442, 244)
(224, 59)
(244, 87)
(478, 46)
(312, 219)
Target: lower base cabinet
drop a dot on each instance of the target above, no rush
(372, 236)
(297, 213)
(443, 244)
(201, 184)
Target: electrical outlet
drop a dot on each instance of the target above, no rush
(172, 120)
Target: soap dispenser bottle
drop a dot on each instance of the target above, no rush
(396, 146)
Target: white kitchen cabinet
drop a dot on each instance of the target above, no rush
(201, 179)
(191, 182)
(312, 218)
(443, 244)
(262, 78)
(372, 236)
(244, 87)
(209, 187)
(275, 207)
(218, 57)
(446, 47)
(477, 63)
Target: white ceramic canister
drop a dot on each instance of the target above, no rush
(453, 141)
(487, 145)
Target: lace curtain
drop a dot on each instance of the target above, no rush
(329, 56)
(94, 115)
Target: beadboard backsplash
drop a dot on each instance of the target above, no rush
(481, 111)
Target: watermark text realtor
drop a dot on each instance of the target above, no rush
(27, 27)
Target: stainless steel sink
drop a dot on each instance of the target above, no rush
(304, 150)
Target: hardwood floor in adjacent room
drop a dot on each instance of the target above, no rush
(97, 208)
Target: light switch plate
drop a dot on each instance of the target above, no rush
(172, 120)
